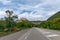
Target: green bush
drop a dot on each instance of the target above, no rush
(24, 25)
(51, 24)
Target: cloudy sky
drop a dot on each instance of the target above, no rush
(31, 9)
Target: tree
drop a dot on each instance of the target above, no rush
(10, 19)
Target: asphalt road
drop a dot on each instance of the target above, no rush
(36, 35)
(33, 34)
(14, 36)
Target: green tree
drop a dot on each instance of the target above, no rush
(10, 19)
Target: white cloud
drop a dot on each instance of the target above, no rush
(47, 8)
(2, 14)
(31, 17)
(41, 11)
(5, 2)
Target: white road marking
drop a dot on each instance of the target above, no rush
(47, 34)
(24, 37)
(52, 35)
(42, 33)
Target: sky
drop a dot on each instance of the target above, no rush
(33, 10)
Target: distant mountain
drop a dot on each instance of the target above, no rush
(56, 15)
(22, 19)
(36, 22)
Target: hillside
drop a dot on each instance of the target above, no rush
(36, 22)
(56, 15)
(26, 20)
(22, 19)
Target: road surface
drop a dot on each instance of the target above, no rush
(34, 34)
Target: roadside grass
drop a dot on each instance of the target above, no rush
(4, 33)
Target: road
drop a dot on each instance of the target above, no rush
(34, 34)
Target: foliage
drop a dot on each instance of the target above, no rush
(10, 19)
(24, 24)
(51, 24)
(10, 24)
(2, 25)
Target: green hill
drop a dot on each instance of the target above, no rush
(56, 15)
